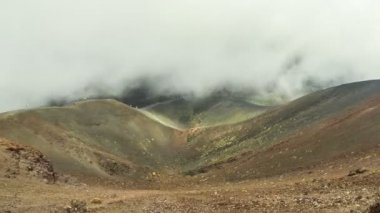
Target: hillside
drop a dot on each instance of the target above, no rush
(101, 138)
(204, 112)
(105, 138)
(322, 126)
(209, 155)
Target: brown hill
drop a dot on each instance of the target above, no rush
(322, 126)
(95, 139)
(317, 153)
(105, 138)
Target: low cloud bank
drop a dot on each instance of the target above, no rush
(276, 48)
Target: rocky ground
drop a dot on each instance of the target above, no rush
(20, 160)
(28, 183)
(357, 191)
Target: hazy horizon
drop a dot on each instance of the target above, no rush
(76, 49)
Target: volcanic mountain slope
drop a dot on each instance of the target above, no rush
(297, 157)
(95, 138)
(105, 138)
(209, 111)
(320, 127)
(98, 139)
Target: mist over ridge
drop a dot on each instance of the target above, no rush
(277, 49)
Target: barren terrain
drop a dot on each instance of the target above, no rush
(320, 153)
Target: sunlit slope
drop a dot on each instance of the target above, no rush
(101, 138)
(205, 112)
(322, 126)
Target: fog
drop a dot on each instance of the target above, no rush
(78, 48)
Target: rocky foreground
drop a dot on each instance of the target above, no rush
(358, 191)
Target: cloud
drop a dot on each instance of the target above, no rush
(60, 48)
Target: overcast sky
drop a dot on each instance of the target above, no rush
(51, 48)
